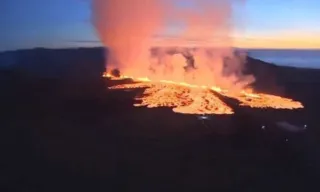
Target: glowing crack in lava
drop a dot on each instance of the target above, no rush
(192, 99)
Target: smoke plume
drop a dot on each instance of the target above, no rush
(200, 52)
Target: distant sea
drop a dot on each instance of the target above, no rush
(293, 58)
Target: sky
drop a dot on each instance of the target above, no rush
(66, 23)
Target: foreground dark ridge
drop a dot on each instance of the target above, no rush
(61, 129)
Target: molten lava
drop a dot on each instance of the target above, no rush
(193, 99)
(261, 100)
(183, 99)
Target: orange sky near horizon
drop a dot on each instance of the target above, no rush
(284, 43)
(261, 41)
(281, 40)
(277, 44)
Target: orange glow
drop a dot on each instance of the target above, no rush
(193, 99)
(182, 98)
(133, 29)
(269, 101)
(284, 40)
(188, 72)
(261, 100)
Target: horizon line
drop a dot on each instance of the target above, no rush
(95, 47)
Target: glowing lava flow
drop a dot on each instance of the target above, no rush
(182, 99)
(193, 99)
(261, 100)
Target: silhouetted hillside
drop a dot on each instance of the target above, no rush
(53, 62)
(84, 66)
(57, 63)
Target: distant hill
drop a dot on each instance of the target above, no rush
(57, 62)
(53, 62)
(86, 64)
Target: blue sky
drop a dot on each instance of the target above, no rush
(273, 16)
(57, 23)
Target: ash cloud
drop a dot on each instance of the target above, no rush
(201, 53)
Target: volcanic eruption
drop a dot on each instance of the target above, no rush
(182, 68)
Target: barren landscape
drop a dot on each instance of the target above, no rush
(63, 129)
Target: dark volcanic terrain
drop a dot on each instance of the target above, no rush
(63, 130)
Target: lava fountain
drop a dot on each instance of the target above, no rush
(185, 67)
